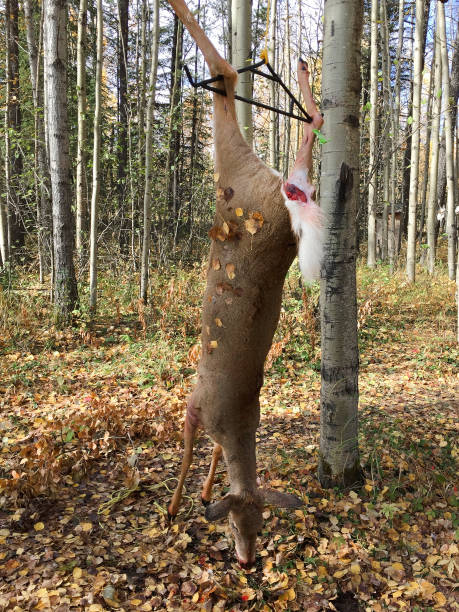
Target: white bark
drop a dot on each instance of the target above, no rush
(433, 168)
(415, 141)
(241, 19)
(372, 181)
(148, 156)
(81, 200)
(65, 288)
(339, 454)
(396, 124)
(450, 215)
(274, 123)
(96, 163)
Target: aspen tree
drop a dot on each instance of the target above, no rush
(241, 21)
(41, 178)
(96, 163)
(81, 187)
(433, 168)
(339, 463)
(372, 181)
(448, 130)
(393, 246)
(415, 140)
(274, 118)
(65, 287)
(148, 156)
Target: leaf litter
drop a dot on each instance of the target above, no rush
(91, 445)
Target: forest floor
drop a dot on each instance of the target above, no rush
(90, 431)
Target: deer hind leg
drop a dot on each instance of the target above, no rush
(206, 493)
(189, 433)
(217, 64)
(299, 192)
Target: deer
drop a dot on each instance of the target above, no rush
(261, 223)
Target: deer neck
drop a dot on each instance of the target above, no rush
(240, 457)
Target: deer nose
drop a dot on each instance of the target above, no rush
(246, 564)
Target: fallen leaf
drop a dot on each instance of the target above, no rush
(254, 222)
(230, 270)
(39, 526)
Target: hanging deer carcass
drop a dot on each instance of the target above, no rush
(260, 224)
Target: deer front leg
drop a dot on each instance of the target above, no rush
(189, 433)
(206, 492)
(299, 193)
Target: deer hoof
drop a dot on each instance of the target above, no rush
(205, 502)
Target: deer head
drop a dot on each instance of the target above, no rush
(245, 517)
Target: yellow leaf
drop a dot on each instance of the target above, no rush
(254, 222)
(225, 227)
(239, 212)
(135, 602)
(218, 322)
(439, 598)
(77, 573)
(195, 597)
(216, 264)
(398, 567)
(230, 270)
(39, 526)
(340, 573)
(427, 588)
(355, 568)
(86, 526)
(42, 593)
(322, 571)
(216, 177)
(95, 608)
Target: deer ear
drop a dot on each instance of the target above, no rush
(219, 509)
(281, 500)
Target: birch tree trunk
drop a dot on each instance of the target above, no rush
(415, 140)
(96, 163)
(372, 181)
(81, 187)
(65, 287)
(388, 128)
(433, 168)
(454, 94)
(339, 463)
(241, 20)
(274, 123)
(396, 124)
(148, 156)
(449, 154)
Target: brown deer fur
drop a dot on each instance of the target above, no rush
(252, 249)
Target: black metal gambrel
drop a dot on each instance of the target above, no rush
(272, 76)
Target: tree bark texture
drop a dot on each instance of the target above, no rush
(123, 17)
(449, 153)
(81, 185)
(241, 20)
(339, 463)
(149, 157)
(433, 168)
(415, 141)
(13, 156)
(372, 180)
(65, 287)
(96, 163)
(454, 94)
(42, 179)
